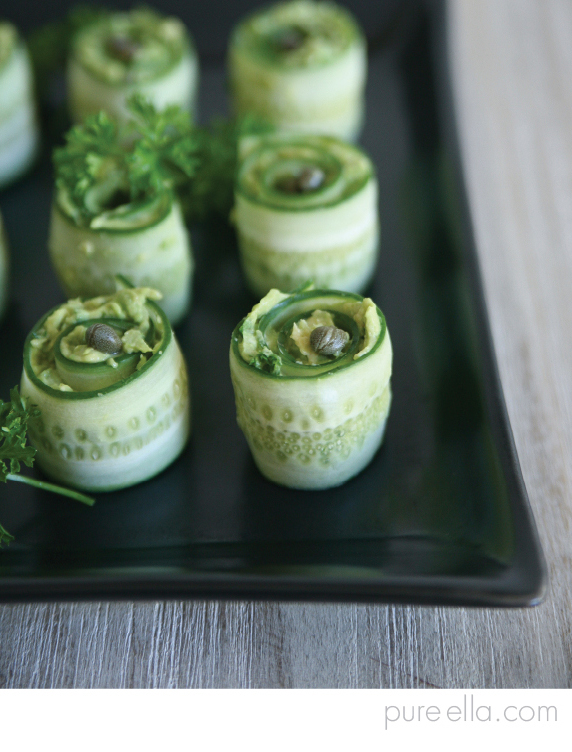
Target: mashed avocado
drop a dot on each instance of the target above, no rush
(260, 349)
(127, 305)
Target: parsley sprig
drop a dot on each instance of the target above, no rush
(211, 191)
(15, 415)
(104, 164)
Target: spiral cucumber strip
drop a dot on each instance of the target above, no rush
(311, 421)
(19, 133)
(301, 66)
(147, 242)
(4, 269)
(99, 435)
(128, 52)
(289, 233)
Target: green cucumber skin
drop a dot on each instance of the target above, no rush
(88, 94)
(126, 436)
(337, 247)
(19, 132)
(314, 433)
(328, 100)
(86, 261)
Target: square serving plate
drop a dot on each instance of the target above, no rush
(440, 516)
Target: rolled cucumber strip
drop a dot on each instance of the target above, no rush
(145, 241)
(19, 132)
(127, 52)
(305, 208)
(313, 417)
(4, 269)
(301, 66)
(126, 417)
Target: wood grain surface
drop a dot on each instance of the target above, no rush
(512, 62)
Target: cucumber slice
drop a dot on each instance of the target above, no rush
(147, 242)
(312, 426)
(4, 269)
(19, 132)
(288, 233)
(301, 66)
(116, 435)
(127, 52)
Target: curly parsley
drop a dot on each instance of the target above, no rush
(104, 165)
(15, 451)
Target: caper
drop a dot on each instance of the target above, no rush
(104, 339)
(122, 48)
(288, 184)
(310, 179)
(328, 340)
(290, 38)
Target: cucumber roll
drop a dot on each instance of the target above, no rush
(121, 53)
(305, 208)
(115, 210)
(110, 382)
(4, 269)
(301, 66)
(19, 134)
(311, 375)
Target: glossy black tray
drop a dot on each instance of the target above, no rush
(440, 516)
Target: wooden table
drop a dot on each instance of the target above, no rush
(513, 78)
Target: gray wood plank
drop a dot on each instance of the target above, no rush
(513, 67)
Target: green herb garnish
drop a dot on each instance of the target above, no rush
(211, 191)
(15, 451)
(104, 165)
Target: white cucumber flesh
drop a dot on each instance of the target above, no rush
(87, 260)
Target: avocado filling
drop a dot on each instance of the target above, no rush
(300, 172)
(61, 358)
(131, 48)
(277, 337)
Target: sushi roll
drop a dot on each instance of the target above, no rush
(306, 208)
(111, 386)
(115, 210)
(122, 53)
(311, 375)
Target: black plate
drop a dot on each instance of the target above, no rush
(441, 514)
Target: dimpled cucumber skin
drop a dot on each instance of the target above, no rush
(314, 433)
(121, 438)
(86, 261)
